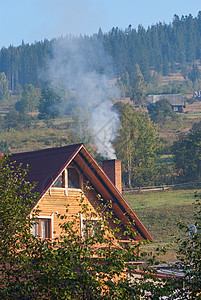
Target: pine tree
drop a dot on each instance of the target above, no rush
(139, 89)
(4, 92)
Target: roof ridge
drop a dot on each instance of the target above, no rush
(47, 150)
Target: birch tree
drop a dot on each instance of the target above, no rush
(138, 146)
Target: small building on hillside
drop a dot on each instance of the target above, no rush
(177, 101)
(61, 175)
(197, 94)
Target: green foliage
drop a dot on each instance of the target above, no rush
(4, 92)
(166, 69)
(194, 74)
(16, 199)
(138, 88)
(189, 254)
(138, 146)
(4, 148)
(49, 104)
(124, 84)
(71, 267)
(37, 134)
(16, 120)
(185, 241)
(80, 125)
(187, 155)
(161, 111)
(76, 266)
(133, 85)
(29, 99)
(185, 69)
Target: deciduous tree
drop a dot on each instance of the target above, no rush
(189, 253)
(50, 103)
(138, 146)
(161, 111)
(187, 154)
(71, 267)
(77, 267)
(16, 120)
(29, 99)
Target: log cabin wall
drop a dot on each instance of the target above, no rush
(56, 203)
(60, 174)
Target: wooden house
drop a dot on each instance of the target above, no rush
(61, 174)
(177, 101)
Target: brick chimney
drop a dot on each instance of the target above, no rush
(112, 169)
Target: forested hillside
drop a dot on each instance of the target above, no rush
(159, 47)
(78, 89)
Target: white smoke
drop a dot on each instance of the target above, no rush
(73, 65)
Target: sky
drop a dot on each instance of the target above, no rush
(35, 20)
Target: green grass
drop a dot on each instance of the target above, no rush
(57, 121)
(191, 114)
(60, 121)
(170, 130)
(160, 198)
(35, 138)
(161, 211)
(40, 135)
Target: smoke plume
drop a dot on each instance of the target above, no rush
(84, 68)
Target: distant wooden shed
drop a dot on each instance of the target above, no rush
(177, 101)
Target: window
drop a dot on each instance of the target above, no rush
(70, 178)
(45, 228)
(42, 228)
(175, 108)
(35, 228)
(60, 182)
(90, 227)
(73, 178)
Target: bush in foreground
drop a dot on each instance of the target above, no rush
(90, 266)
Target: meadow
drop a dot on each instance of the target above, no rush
(160, 212)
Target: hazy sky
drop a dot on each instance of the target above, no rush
(35, 20)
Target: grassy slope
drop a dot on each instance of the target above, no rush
(171, 129)
(39, 136)
(34, 139)
(161, 211)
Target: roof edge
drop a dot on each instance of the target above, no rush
(126, 205)
(79, 147)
